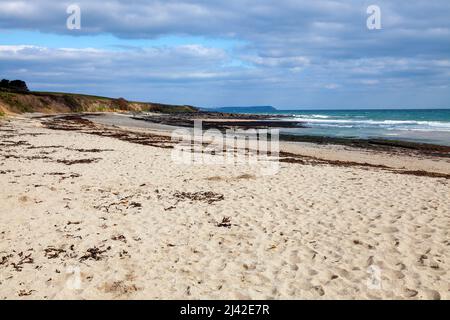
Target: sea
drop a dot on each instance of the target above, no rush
(424, 126)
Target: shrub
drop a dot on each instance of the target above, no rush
(4, 83)
(101, 108)
(14, 102)
(72, 103)
(120, 104)
(13, 86)
(18, 85)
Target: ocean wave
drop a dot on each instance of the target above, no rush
(376, 123)
(422, 129)
(369, 124)
(311, 116)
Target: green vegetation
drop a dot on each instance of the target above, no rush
(72, 103)
(121, 104)
(79, 95)
(12, 100)
(2, 114)
(165, 108)
(101, 108)
(13, 86)
(39, 101)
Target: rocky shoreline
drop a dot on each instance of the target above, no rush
(81, 123)
(222, 121)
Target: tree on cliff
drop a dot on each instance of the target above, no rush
(13, 86)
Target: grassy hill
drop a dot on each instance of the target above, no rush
(58, 102)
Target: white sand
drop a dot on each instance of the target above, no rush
(309, 232)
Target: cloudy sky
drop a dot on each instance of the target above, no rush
(285, 53)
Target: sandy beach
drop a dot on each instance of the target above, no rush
(109, 215)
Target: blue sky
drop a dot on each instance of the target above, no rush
(288, 53)
(106, 41)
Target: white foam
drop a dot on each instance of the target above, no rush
(311, 116)
(394, 124)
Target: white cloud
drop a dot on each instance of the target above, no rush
(284, 48)
(274, 62)
(16, 48)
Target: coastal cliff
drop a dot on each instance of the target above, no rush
(13, 101)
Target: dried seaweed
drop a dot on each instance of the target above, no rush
(52, 253)
(5, 259)
(203, 196)
(78, 161)
(94, 254)
(23, 293)
(119, 237)
(225, 223)
(24, 259)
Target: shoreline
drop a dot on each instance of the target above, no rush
(222, 121)
(422, 159)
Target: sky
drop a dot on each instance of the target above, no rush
(291, 54)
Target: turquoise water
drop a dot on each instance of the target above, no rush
(426, 126)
